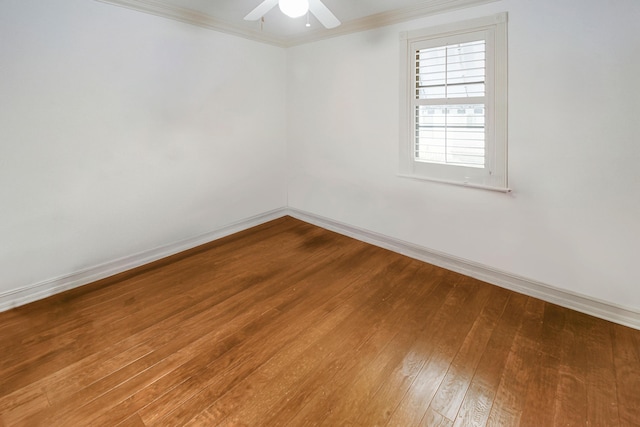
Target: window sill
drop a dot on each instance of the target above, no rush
(461, 184)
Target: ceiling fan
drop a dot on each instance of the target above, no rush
(295, 9)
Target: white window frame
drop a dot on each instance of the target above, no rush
(493, 176)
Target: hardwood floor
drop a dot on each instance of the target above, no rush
(290, 324)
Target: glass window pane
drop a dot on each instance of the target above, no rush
(450, 134)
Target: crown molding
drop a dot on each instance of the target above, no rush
(430, 7)
(189, 16)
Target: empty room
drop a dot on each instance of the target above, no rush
(319, 212)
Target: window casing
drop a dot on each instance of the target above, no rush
(454, 103)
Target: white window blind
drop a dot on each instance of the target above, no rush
(450, 104)
(454, 103)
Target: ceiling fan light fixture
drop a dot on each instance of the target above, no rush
(294, 8)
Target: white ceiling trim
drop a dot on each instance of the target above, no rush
(189, 16)
(431, 7)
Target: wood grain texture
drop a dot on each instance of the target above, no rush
(290, 324)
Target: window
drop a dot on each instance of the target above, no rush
(454, 103)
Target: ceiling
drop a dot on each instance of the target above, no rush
(355, 15)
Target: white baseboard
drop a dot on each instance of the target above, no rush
(27, 294)
(582, 303)
(585, 304)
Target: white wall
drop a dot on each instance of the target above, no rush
(121, 132)
(573, 219)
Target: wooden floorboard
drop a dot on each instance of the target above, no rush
(290, 324)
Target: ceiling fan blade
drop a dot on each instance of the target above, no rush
(261, 10)
(323, 14)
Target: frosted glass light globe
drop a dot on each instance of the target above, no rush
(294, 8)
